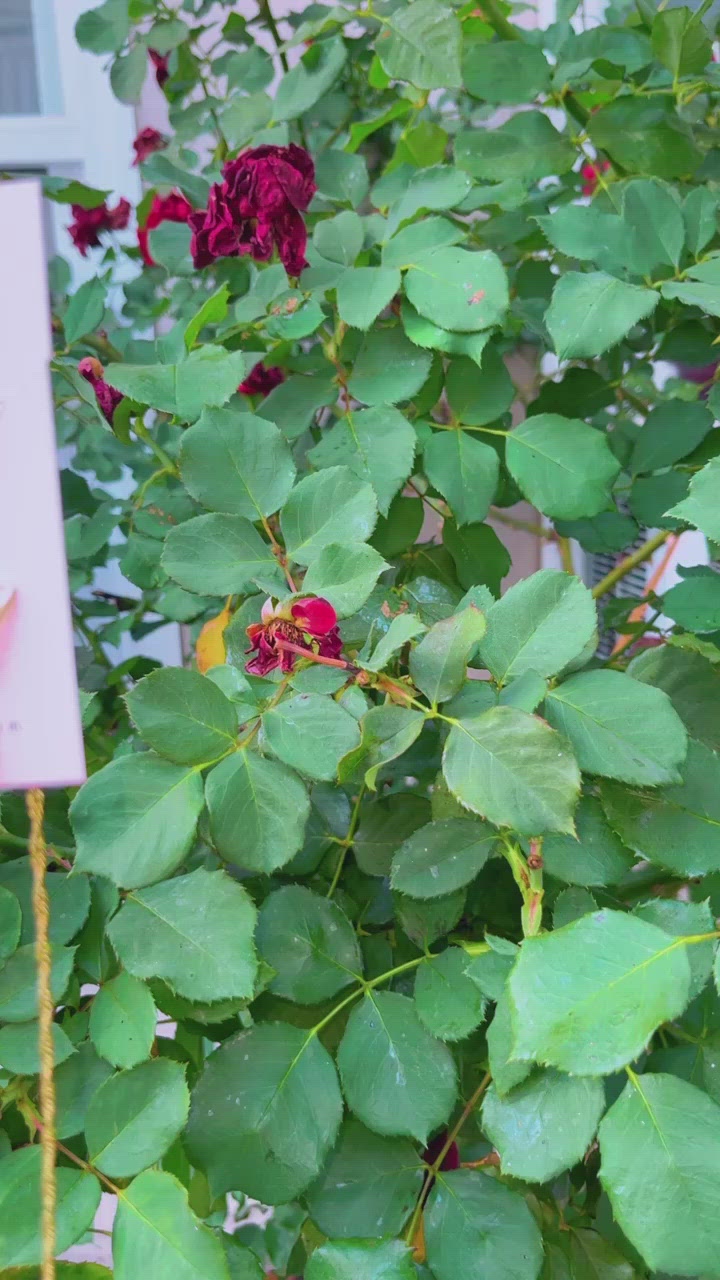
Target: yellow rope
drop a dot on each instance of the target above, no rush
(35, 801)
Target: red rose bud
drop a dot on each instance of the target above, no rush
(260, 381)
(172, 208)
(147, 141)
(451, 1159)
(287, 631)
(160, 63)
(257, 208)
(88, 224)
(108, 397)
(591, 174)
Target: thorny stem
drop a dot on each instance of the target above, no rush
(630, 562)
(507, 31)
(279, 553)
(435, 1167)
(347, 842)
(282, 643)
(269, 20)
(528, 877)
(163, 458)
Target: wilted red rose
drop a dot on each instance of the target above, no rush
(172, 208)
(88, 224)
(591, 174)
(287, 632)
(260, 381)
(160, 63)
(257, 207)
(107, 397)
(147, 141)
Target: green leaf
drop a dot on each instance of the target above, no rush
(458, 289)
(236, 463)
(243, 117)
(361, 1259)
(122, 1021)
(128, 72)
(20, 1048)
(701, 506)
(478, 398)
(78, 1196)
(76, 1082)
(475, 1227)
(426, 922)
(544, 1125)
(18, 982)
(377, 445)
(340, 176)
(563, 467)
(363, 292)
(505, 1071)
(593, 311)
(479, 555)
(10, 923)
(206, 378)
(645, 135)
(323, 508)
(416, 239)
(541, 624)
(194, 931)
(183, 716)
(213, 310)
(653, 210)
(293, 725)
(265, 1113)
(660, 1167)
(700, 209)
(438, 664)
(135, 820)
(442, 856)
(685, 920)
(396, 1078)
(526, 147)
(679, 826)
(154, 1221)
(618, 727)
(388, 368)
(310, 944)
(368, 1186)
(702, 295)
(345, 574)
(86, 309)
(70, 191)
(448, 1003)
(387, 732)
(597, 857)
(217, 555)
(404, 627)
(587, 233)
(438, 187)
(694, 602)
(301, 88)
(692, 685)
(680, 41)
(159, 170)
(422, 44)
(669, 433)
(587, 998)
(258, 810)
(383, 827)
(505, 72)
(105, 29)
(340, 239)
(465, 471)
(135, 1116)
(512, 769)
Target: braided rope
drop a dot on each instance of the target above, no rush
(35, 801)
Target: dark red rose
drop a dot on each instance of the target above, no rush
(701, 375)
(258, 207)
(260, 381)
(88, 224)
(160, 63)
(591, 174)
(107, 397)
(147, 141)
(286, 632)
(172, 208)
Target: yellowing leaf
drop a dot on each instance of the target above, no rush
(210, 647)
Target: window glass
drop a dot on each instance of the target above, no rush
(19, 95)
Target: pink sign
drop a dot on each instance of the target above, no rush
(40, 732)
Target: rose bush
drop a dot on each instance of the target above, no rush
(423, 888)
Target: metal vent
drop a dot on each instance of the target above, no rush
(598, 565)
